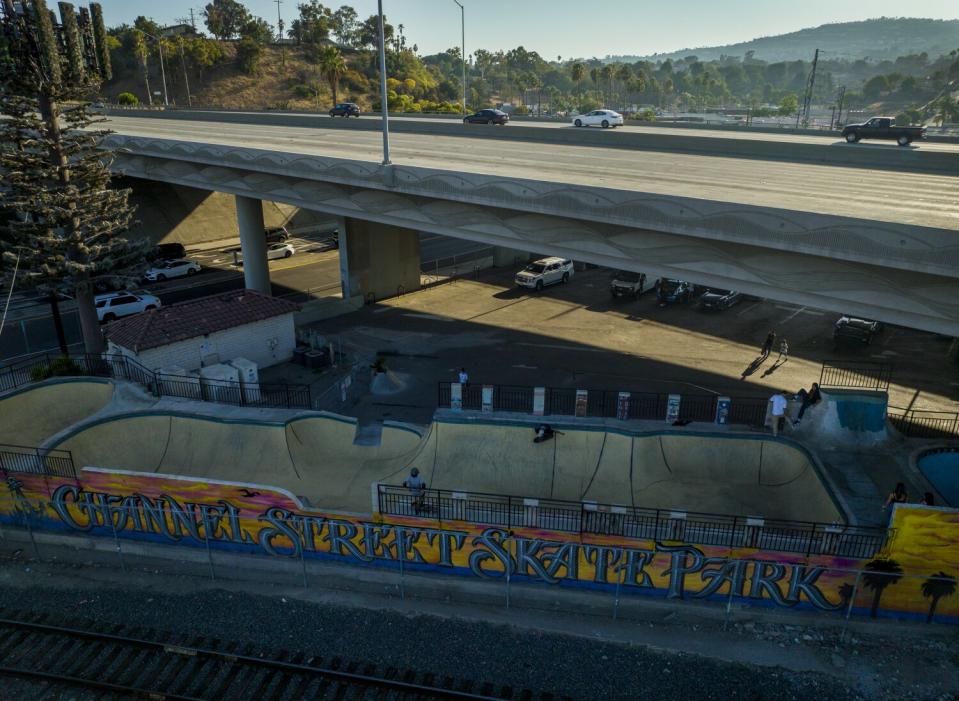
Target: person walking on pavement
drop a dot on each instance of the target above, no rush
(779, 405)
(464, 377)
(768, 343)
(783, 352)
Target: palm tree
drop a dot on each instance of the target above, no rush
(332, 66)
(607, 73)
(142, 53)
(577, 71)
(880, 573)
(624, 74)
(937, 586)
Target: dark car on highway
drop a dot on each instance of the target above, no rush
(167, 251)
(883, 128)
(345, 109)
(489, 116)
(276, 234)
(850, 328)
(670, 291)
(714, 299)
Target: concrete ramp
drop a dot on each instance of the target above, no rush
(846, 418)
(31, 415)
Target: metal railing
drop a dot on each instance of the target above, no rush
(37, 461)
(919, 423)
(806, 537)
(121, 367)
(561, 401)
(856, 375)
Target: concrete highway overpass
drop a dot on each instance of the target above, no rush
(867, 229)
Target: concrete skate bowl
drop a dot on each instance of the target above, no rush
(30, 415)
(311, 456)
(941, 467)
(702, 472)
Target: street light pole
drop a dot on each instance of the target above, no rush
(385, 106)
(463, 49)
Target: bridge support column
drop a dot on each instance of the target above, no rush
(378, 259)
(256, 271)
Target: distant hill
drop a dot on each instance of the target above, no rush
(876, 39)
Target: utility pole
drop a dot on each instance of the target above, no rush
(463, 49)
(842, 98)
(807, 98)
(279, 20)
(383, 100)
(192, 20)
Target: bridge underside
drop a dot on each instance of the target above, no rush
(910, 286)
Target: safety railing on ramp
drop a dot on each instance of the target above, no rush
(37, 461)
(856, 375)
(919, 423)
(508, 512)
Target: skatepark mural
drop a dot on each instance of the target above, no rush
(915, 576)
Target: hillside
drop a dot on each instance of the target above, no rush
(875, 39)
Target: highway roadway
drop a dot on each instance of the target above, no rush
(907, 198)
(695, 132)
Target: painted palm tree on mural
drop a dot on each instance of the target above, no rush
(879, 574)
(936, 587)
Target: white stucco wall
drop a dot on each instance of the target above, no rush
(248, 341)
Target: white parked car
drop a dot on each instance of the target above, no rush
(172, 268)
(113, 305)
(279, 250)
(543, 272)
(601, 118)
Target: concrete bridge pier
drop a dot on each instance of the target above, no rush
(378, 259)
(256, 270)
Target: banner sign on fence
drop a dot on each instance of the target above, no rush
(539, 401)
(622, 406)
(487, 399)
(672, 408)
(722, 410)
(582, 401)
(456, 396)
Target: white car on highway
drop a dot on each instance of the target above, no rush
(172, 268)
(114, 305)
(279, 250)
(599, 118)
(543, 272)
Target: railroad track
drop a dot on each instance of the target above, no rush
(120, 663)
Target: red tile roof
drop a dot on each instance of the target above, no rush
(196, 317)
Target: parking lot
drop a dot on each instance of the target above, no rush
(577, 335)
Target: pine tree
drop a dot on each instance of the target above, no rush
(61, 224)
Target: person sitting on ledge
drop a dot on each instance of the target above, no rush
(543, 433)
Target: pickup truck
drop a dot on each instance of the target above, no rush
(883, 128)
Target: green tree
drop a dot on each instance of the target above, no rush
(606, 73)
(128, 99)
(313, 25)
(880, 573)
(225, 18)
(142, 54)
(577, 72)
(875, 87)
(203, 53)
(257, 29)
(789, 105)
(333, 67)
(61, 223)
(624, 74)
(248, 54)
(344, 24)
(368, 33)
(936, 587)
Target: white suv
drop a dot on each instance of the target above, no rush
(113, 305)
(546, 271)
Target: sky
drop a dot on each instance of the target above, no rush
(572, 28)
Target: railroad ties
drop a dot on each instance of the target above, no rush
(119, 662)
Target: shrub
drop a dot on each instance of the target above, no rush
(59, 367)
(303, 91)
(128, 99)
